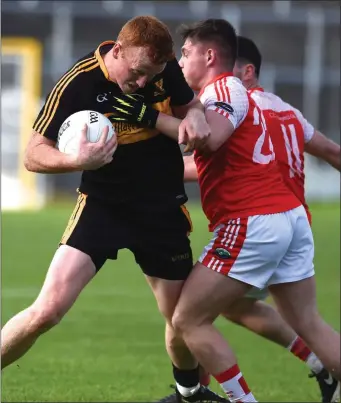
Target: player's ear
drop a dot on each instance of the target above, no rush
(249, 72)
(210, 56)
(116, 49)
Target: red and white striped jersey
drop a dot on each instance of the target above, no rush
(241, 178)
(289, 131)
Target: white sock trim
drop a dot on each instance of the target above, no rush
(292, 343)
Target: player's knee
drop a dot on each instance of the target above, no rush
(43, 319)
(166, 308)
(179, 323)
(183, 322)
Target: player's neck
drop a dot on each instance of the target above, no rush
(110, 71)
(213, 73)
(252, 84)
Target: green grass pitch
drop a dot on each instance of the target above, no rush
(110, 347)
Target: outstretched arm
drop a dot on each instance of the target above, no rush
(326, 149)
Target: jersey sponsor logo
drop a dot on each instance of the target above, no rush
(277, 115)
(93, 117)
(223, 105)
(159, 88)
(222, 253)
(102, 97)
(128, 133)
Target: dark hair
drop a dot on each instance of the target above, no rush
(219, 31)
(249, 53)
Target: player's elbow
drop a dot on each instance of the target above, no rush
(29, 162)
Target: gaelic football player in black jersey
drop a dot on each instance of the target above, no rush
(132, 198)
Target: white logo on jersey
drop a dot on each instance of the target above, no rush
(102, 97)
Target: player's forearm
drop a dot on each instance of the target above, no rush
(168, 125)
(334, 159)
(190, 172)
(324, 148)
(46, 159)
(182, 111)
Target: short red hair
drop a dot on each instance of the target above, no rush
(151, 33)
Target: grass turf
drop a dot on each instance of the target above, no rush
(110, 347)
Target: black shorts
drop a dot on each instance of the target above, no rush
(158, 238)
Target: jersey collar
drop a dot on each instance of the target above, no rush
(227, 74)
(250, 91)
(100, 58)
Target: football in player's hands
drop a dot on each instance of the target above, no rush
(70, 131)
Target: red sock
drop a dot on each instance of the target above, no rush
(234, 385)
(300, 349)
(205, 379)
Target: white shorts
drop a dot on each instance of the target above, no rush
(263, 250)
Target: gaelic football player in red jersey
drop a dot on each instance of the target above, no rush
(291, 135)
(262, 237)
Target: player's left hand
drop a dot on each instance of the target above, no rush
(132, 108)
(194, 130)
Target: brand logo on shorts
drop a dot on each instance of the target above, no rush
(222, 253)
(183, 256)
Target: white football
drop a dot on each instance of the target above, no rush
(70, 131)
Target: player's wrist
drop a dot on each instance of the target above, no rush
(73, 162)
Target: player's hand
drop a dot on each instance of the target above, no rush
(194, 130)
(91, 156)
(133, 109)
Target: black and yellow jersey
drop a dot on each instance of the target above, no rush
(147, 165)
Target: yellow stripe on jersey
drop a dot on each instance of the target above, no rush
(61, 92)
(53, 99)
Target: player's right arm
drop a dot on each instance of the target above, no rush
(326, 149)
(225, 109)
(41, 155)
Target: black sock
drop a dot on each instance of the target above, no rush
(186, 377)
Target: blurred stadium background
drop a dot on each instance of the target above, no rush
(110, 346)
(300, 42)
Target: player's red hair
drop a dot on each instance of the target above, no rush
(151, 33)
